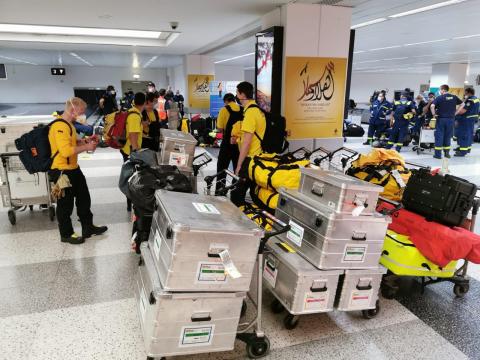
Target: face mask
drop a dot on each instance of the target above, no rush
(380, 99)
(82, 118)
(113, 92)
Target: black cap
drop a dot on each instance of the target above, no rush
(151, 84)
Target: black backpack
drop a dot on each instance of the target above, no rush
(34, 146)
(234, 117)
(275, 137)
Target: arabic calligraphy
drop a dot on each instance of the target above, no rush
(324, 88)
(202, 87)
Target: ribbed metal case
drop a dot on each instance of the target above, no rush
(176, 148)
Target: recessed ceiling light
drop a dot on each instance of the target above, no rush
(426, 42)
(17, 60)
(81, 31)
(359, 51)
(366, 23)
(136, 76)
(78, 57)
(426, 8)
(466, 37)
(234, 58)
(386, 47)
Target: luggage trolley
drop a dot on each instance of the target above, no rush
(251, 333)
(341, 159)
(426, 140)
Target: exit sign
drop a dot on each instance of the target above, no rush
(57, 71)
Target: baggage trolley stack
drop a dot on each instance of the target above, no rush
(330, 256)
(426, 140)
(194, 274)
(342, 158)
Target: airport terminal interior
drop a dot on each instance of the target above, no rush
(358, 240)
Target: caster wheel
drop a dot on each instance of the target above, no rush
(290, 321)
(276, 307)
(371, 313)
(12, 217)
(30, 207)
(258, 347)
(51, 213)
(461, 289)
(244, 309)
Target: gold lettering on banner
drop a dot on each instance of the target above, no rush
(201, 87)
(324, 88)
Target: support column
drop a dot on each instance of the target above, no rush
(454, 75)
(199, 71)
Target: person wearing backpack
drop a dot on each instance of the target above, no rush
(133, 131)
(253, 130)
(151, 124)
(228, 116)
(65, 148)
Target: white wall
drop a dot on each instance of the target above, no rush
(229, 73)
(35, 84)
(363, 84)
(176, 77)
(249, 75)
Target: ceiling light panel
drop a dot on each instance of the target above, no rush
(234, 58)
(17, 60)
(367, 23)
(426, 8)
(78, 57)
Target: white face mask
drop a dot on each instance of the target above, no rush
(82, 118)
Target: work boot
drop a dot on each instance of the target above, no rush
(368, 142)
(447, 154)
(73, 239)
(459, 154)
(90, 230)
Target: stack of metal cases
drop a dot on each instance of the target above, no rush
(335, 228)
(189, 302)
(176, 148)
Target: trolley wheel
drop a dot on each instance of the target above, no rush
(258, 347)
(51, 213)
(244, 309)
(12, 217)
(461, 289)
(419, 150)
(30, 207)
(371, 313)
(290, 321)
(276, 306)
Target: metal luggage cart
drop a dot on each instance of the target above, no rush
(20, 189)
(251, 333)
(426, 140)
(341, 159)
(460, 280)
(321, 158)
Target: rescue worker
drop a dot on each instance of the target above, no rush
(65, 147)
(162, 108)
(467, 116)
(252, 130)
(443, 109)
(228, 116)
(378, 119)
(403, 112)
(150, 124)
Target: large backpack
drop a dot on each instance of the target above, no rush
(114, 132)
(275, 137)
(234, 117)
(34, 146)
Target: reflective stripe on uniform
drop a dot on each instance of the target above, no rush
(472, 116)
(390, 143)
(438, 148)
(463, 148)
(399, 144)
(446, 148)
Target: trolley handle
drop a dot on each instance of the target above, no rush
(235, 181)
(420, 166)
(197, 167)
(353, 152)
(283, 227)
(397, 206)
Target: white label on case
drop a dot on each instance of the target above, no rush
(315, 301)
(270, 273)
(211, 272)
(296, 233)
(230, 267)
(178, 159)
(157, 241)
(360, 299)
(331, 204)
(196, 335)
(205, 208)
(354, 253)
(143, 304)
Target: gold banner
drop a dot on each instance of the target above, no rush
(315, 96)
(460, 92)
(199, 91)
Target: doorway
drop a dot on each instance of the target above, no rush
(135, 86)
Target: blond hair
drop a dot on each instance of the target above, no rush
(76, 103)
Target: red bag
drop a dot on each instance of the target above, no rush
(114, 133)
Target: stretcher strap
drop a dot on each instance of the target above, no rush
(398, 241)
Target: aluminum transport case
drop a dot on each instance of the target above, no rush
(297, 285)
(339, 192)
(189, 234)
(176, 148)
(183, 323)
(330, 240)
(358, 289)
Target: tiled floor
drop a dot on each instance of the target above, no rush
(59, 301)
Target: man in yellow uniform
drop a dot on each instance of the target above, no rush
(134, 130)
(253, 130)
(65, 149)
(151, 124)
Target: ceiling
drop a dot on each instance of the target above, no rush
(216, 27)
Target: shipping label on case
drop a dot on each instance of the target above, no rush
(315, 301)
(355, 253)
(270, 273)
(205, 208)
(196, 335)
(157, 241)
(295, 234)
(211, 272)
(361, 299)
(178, 159)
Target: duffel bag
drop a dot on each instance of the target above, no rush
(266, 199)
(140, 157)
(354, 130)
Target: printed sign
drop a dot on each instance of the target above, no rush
(196, 335)
(296, 233)
(178, 159)
(206, 208)
(270, 273)
(157, 241)
(211, 272)
(354, 253)
(315, 301)
(199, 91)
(360, 299)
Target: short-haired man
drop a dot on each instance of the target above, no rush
(151, 124)
(444, 108)
(65, 149)
(253, 130)
(467, 115)
(108, 102)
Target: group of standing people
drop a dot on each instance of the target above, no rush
(449, 111)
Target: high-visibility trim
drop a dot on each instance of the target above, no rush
(438, 148)
(463, 148)
(390, 143)
(447, 147)
(472, 116)
(399, 144)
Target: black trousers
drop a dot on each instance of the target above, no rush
(125, 158)
(227, 153)
(237, 196)
(78, 193)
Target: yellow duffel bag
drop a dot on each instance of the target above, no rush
(271, 171)
(252, 212)
(401, 257)
(266, 198)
